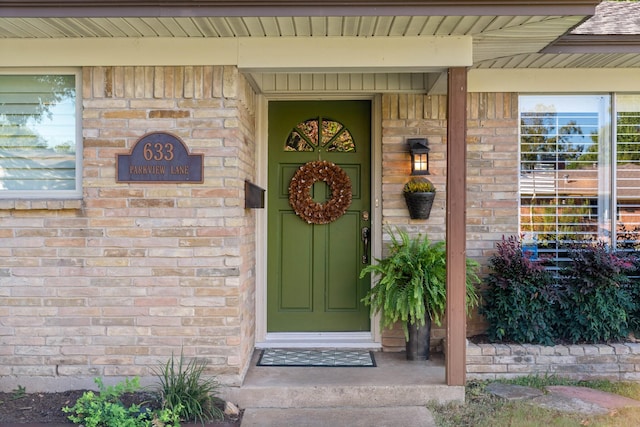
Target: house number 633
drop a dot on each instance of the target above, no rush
(158, 151)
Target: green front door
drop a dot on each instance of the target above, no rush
(313, 269)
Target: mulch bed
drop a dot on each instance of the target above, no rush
(46, 409)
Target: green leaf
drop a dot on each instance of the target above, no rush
(411, 281)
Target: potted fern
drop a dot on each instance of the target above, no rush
(412, 289)
(419, 194)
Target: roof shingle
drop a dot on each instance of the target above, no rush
(613, 18)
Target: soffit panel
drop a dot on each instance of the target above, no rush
(518, 45)
(498, 41)
(361, 26)
(180, 27)
(539, 32)
(538, 60)
(138, 8)
(343, 82)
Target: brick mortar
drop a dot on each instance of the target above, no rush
(492, 206)
(617, 362)
(119, 281)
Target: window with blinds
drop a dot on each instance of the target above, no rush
(40, 143)
(563, 156)
(627, 172)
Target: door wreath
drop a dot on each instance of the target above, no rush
(300, 192)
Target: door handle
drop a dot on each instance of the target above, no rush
(365, 233)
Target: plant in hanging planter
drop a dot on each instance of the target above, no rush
(419, 194)
(412, 288)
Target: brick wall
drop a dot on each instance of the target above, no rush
(116, 283)
(616, 362)
(492, 168)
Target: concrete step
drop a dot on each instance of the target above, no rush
(328, 417)
(393, 382)
(346, 396)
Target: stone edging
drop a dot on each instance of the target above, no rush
(619, 362)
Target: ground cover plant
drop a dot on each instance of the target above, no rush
(107, 409)
(36, 408)
(183, 393)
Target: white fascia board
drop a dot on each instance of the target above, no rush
(283, 54)
(354, 54)
(554, 80)
(117, 52)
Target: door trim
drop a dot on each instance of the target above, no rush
(262, 338)
(362, 340)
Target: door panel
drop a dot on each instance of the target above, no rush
(345, 233)
(295, 290)
(313, 269)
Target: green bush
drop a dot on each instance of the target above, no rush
(592, 300)
(597, 299)
(520, 298)
(105, 409)
(633, 287)
(184, 390)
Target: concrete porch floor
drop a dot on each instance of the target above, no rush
(394, 382)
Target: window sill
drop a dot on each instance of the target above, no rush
(51, 204)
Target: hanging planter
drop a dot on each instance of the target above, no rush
(419, 194)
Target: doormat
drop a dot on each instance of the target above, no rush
(333, 358)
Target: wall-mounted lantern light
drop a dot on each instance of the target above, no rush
(419, 148)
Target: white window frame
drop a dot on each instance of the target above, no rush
(618, 106)
(604, 170)
(609, 182)
(55, 194)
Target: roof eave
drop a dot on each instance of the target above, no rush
(590, 43)
(258, 8)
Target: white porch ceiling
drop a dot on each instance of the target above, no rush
(494, 37)
(318, 26)
(565, 61)
(498, 42)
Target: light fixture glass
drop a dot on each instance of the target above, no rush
(419, 149)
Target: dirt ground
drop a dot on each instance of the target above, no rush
(37, 408)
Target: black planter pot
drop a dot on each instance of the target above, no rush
(419, 204)
(419, 340)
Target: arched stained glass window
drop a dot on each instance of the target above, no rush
(320, 134)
